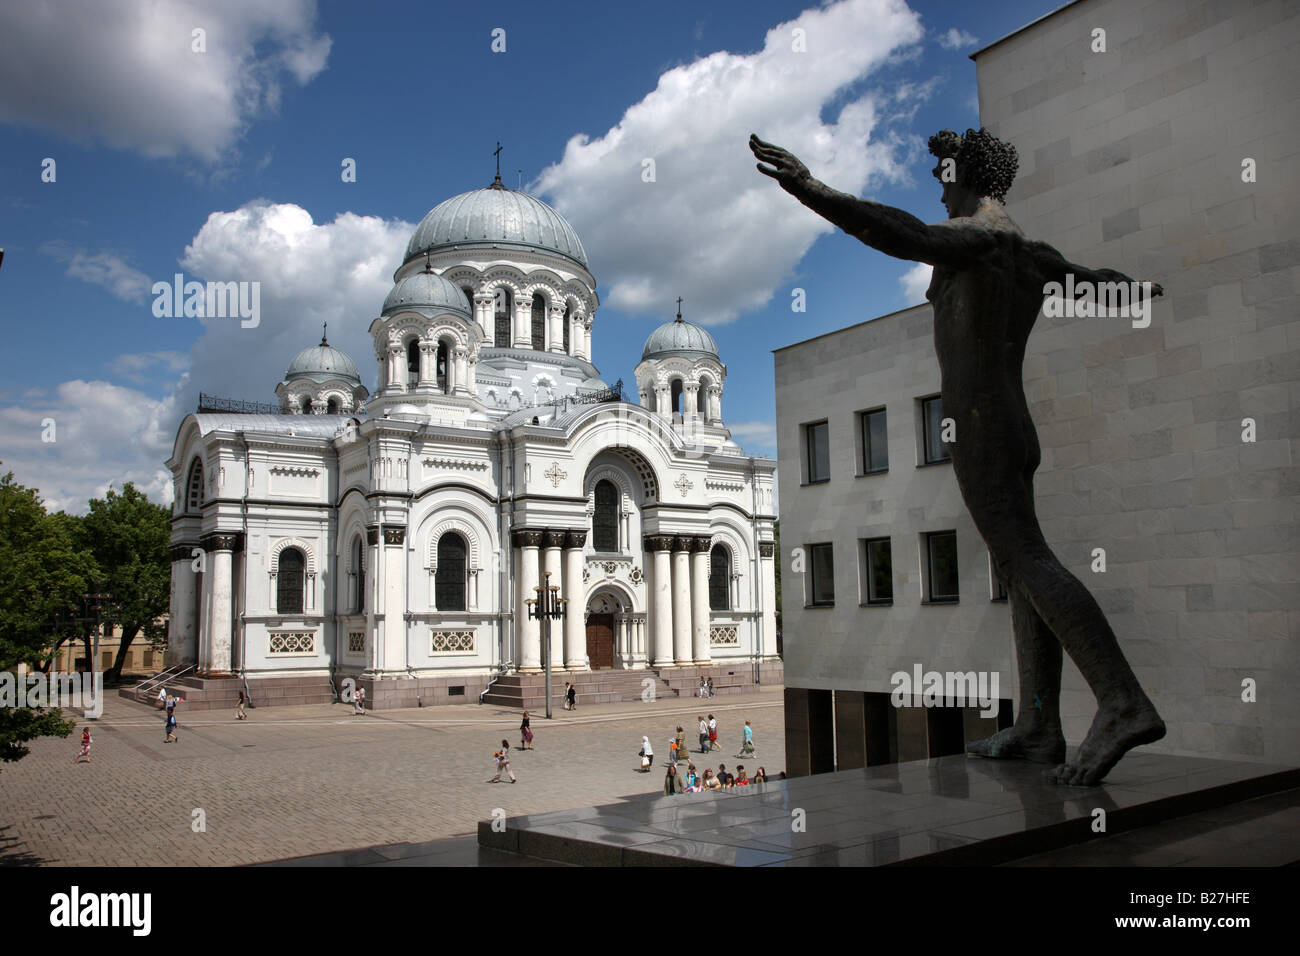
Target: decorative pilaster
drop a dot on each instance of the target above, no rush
(552, 545)
(526, 544)
(575, 641)
(183, 629)
(661, 640)
(700, 599)
(214, 659)
(681, 597)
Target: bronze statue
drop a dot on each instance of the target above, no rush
(987, 288)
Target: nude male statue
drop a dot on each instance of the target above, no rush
(987, 289)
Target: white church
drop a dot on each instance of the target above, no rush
(395, 538)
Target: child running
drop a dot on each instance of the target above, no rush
(86, 741)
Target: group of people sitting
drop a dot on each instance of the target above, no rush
(691, 781)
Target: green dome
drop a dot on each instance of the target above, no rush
(496, 218)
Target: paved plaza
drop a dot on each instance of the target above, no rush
(295, 781)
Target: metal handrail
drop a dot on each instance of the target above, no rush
(502, 671)
(172, 673)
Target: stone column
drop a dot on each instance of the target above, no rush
(523, 324)
(700, 599)
(691, 402)
(394, 598)
(575, 641)
(428, 364)
(182, 631)
(221, 609)
(530, 634)
(557, 329)
(396, 367)
(715, 403)
(374, 600)
(682, 600)
(767, 578)
(661, 634)
(381, 359)
(552, 546)
(484, 316)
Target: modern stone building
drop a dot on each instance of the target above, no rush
(395, 538)
(1173, 156)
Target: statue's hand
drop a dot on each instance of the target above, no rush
(782, 165)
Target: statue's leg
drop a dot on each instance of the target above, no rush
(1125, 716)
(1036, 734)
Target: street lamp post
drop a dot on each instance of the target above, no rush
(547, 606)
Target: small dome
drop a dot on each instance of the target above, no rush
(680, 338)
(321, 363)
(593, 384)
(426, 291)
(492, 218)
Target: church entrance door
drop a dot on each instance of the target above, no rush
(600, 640)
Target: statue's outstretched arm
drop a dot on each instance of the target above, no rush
(894, 232)
(1054, 267)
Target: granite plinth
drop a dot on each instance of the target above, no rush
(954, 810)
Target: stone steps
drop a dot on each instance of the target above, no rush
(222, 693)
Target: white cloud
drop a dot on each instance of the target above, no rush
(754, 436)
(955, 39)
(310, 273)
(915, 281)
(102, 268)
(711, 228)
(125, 72)
(102, 433)
(133, 365)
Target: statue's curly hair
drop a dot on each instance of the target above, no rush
(985, 165)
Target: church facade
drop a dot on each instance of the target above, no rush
(399, 536)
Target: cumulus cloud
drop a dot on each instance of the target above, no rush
(102, 434)
(134, 365)
(710, 228)
(955, 39)
(102, 268)
(127, 74)
(915, 281)
(310, 273)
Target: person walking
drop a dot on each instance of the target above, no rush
(573, 697)
(86, 741)
(525, 734)
(681, 744)
(567, 685)
(704, 736)
(747, 746)
(502, 757)
(713, 733)
(239, 707)
(647, 754)
(171, 728)
(703, 688)
(709, 686)
(359, 701)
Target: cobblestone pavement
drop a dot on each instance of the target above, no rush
(295, 781)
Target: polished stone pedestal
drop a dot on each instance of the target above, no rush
(948, 810)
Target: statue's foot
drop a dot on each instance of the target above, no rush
(1040, 746)
(1114, 732)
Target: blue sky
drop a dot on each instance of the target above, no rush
(225, 164)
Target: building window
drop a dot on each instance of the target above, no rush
(999, 587)
(936, 449)
(539, 322)
(195, 495)
(289, 581)
(441, 370)
(941, 567)
(719, 579)
(332, 407)
(449, 591)
(817, 452)
(675, 396)
(501, 324)
(877, 572)
(305, 406)
(875, 447)
(821, 565)
(412, 362)
(604, 522)
(359, 571)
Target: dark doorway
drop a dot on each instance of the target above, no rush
(600, 640)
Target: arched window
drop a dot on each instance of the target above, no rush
(333, 406)
(412, 362)
(442, 366)
(305, 405)
(469, 296)
(501, 330)
(195, 493)
(719, 579)
(359, 570)
(539, 322)
(675, 397)
(604, 523)
(568, 320)
(288, 582)
(449, 591)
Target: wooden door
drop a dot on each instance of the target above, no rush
(600, 640)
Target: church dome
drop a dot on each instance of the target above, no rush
(496, 217)
(679, 338)
(425, 290)
(322, 362)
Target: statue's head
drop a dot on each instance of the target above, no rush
(984, 166)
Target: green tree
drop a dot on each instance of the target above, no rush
(43, 573)
(129, 537)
